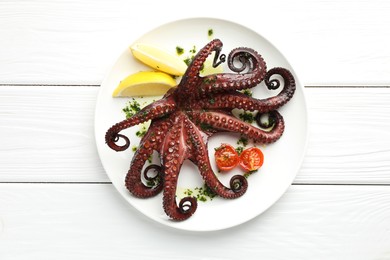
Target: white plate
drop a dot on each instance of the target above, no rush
(282, 159)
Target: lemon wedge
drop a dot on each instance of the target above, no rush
(159, 59)
(144, 83)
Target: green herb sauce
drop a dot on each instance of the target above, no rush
(153, 182)
(142, 131)
(131, 108)
(188, 60)
(210, 32)
(242, 141)
(179, 50)
(239, 149)
(205, 126)
(247, 174)
(247, 117)
(193, 50)
(203, 194)
(247, 92)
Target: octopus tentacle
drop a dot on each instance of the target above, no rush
(157, 109)
(191, 78)
(252, 64)
(150, 142)
(184, 119)
(154, 179)
(174, 152)
(225, 122)
(241, 101)
(288, 90)
(238, 184)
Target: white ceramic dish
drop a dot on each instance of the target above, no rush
(282, 159)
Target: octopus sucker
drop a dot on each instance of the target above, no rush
(133, 179)
(182, 122)
(211, 180)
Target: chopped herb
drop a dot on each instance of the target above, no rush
(188, 192)
(141, 132)
(247, 92)
(206, 191)
(247, 174)
(193, 50)
(210, 32)
(190, 56)
(150, 158)
(144, 114)
(188, 60)
(203, 194)
(153, 182)
(131, 108)
(179, 50)
(202, 67)
(209, 80)
(201, 198)
(211, 101)
(247, 117)
(239, 149)
(134, 148)
(205, 126)
(242, 141)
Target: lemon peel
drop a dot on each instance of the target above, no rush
(159, 59)
(144, 83)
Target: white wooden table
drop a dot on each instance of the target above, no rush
(56, 201)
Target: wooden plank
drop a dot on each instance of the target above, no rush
(349, 136)
(51, 130)
(89, 221)
(48, 134)
(327, 42)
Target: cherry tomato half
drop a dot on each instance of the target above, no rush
(251, 159)
(226, 157)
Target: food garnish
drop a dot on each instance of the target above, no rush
(226, 157)
(200, 106)
(265, 120)
(159, 59)
(145, 83)
(251, 159)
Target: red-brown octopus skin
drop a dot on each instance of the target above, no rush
(184, 119)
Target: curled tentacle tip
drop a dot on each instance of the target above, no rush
(222, 59)
(156, 179)
(188, 205)
(238, 184)
(111, 141)
(273, 84)
(285, 74)
(266, 120)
